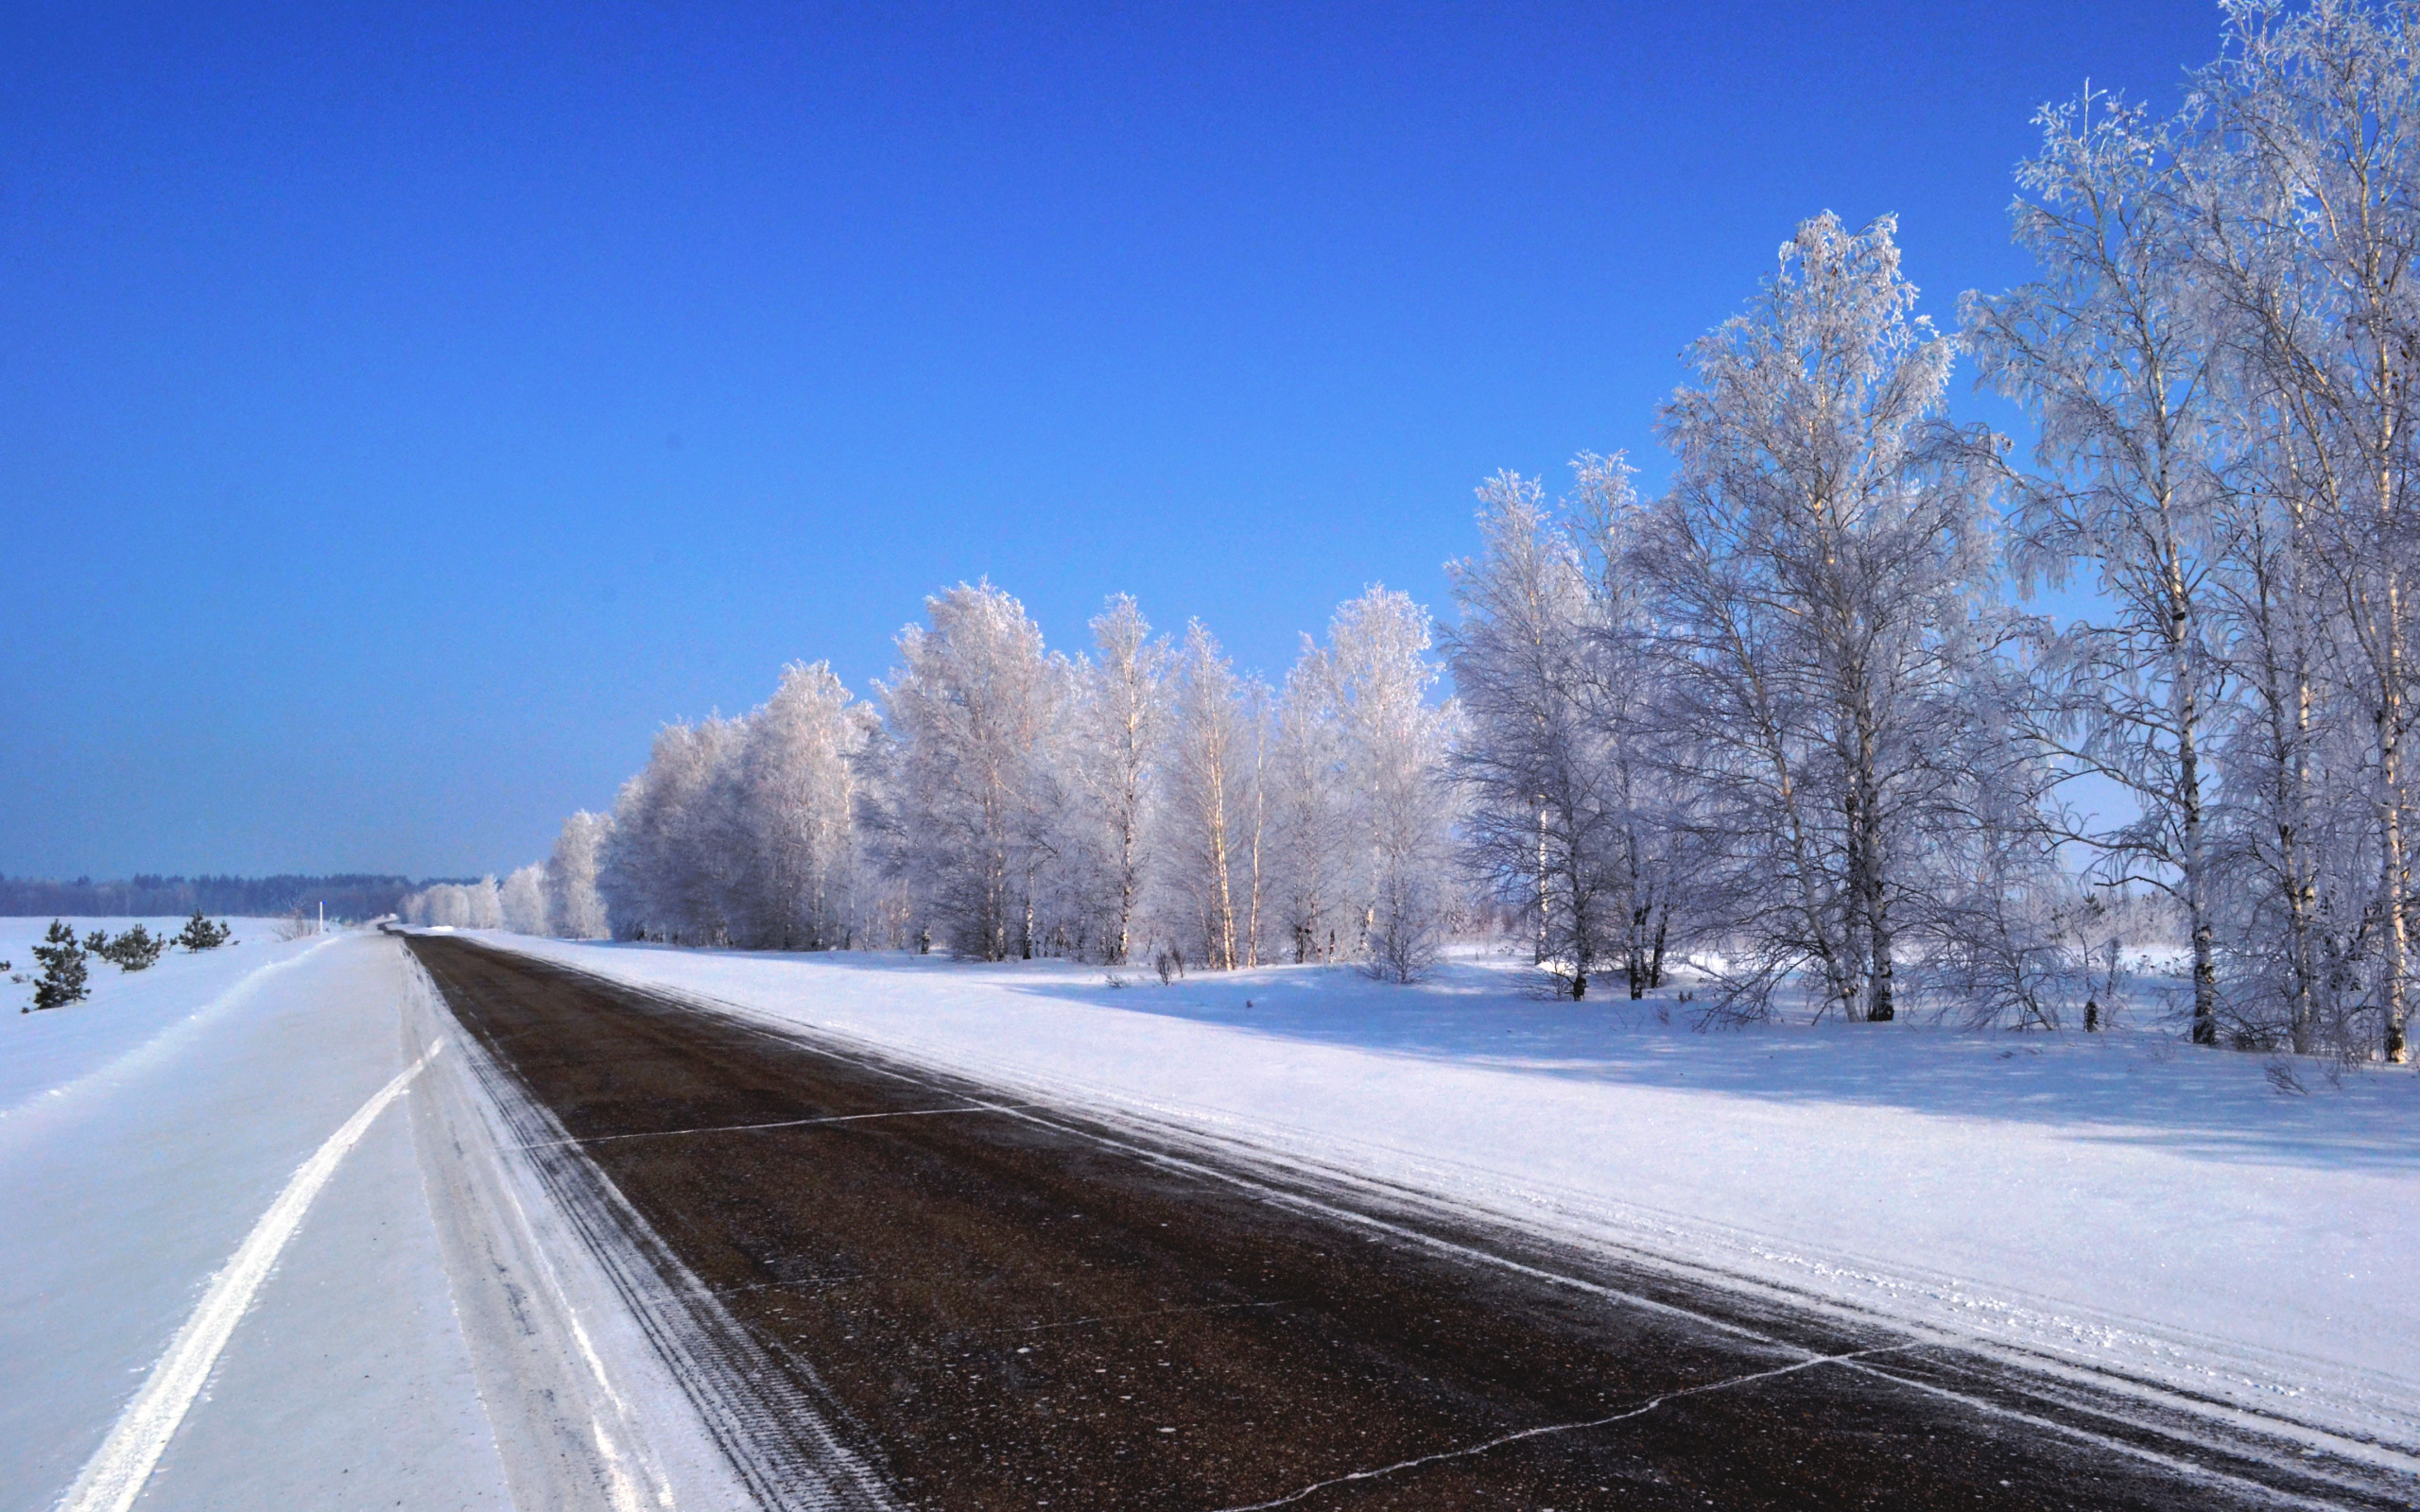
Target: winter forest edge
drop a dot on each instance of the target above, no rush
(1792, 722)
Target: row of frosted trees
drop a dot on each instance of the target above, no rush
(1792, 719)
(1002, 801)
(557, 897)
(1789, 711)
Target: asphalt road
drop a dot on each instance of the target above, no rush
(992, 1304)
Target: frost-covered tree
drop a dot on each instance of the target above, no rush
(483, 905)
(663, 866)
(2305, 137)
(787, 811)
(1816, 568)
(1605, 521)
(520, 899)
(1122, 721)
(1565, 817)
(1306, 860)
(977, 710)
(1208, 798)
(2116, 351)
(1542, 820)
(446, 904)
(576, 911)
(1389, 744)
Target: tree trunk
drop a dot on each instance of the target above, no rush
(1880, 1008)
(1856, 941)
(2391, 805)
(1546, 915)
(1222, 932)
(1125, 887)
(2196, 878)
(1866, 868)
(1259, 824)
(2294, 784)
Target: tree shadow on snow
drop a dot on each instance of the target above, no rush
(2127, 1087)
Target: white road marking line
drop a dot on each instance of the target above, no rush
(114, 1476)
(744, 1128)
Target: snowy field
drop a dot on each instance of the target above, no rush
(2119, 1201)
(127, 1009)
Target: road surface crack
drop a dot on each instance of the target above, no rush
(1543, 1430)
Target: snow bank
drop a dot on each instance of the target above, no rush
(2117, 1202)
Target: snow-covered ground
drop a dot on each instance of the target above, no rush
(143, 1134)
(128, 1010)
(423, 1329)
(2117, 1201)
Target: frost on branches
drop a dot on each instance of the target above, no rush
(1791, 711)
(999, 800)
(1790, 721)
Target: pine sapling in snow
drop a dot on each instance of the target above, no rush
(62, 969)
(202, 935)
(132, 951)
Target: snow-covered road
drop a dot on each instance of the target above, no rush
(144, 1134)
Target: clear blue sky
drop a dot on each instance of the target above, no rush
(404, 410)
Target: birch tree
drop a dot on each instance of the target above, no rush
(977, 706)
(1206, 792)
(575, 909)
(2115, 352)
(520, 899)
(790, 805)
(1545, 822)
(1305, 798)
(1604, 523)
(1125, 717)
(1816, 564)
(2310, 129)
(665, 864)
(1391, 742)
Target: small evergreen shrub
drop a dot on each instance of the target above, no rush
(202, 935)
(62, 969)
(132, 951)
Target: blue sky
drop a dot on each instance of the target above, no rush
(404, 410)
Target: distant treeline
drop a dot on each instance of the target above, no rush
(349, 895)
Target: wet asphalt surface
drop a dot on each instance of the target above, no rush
(998, 1305)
